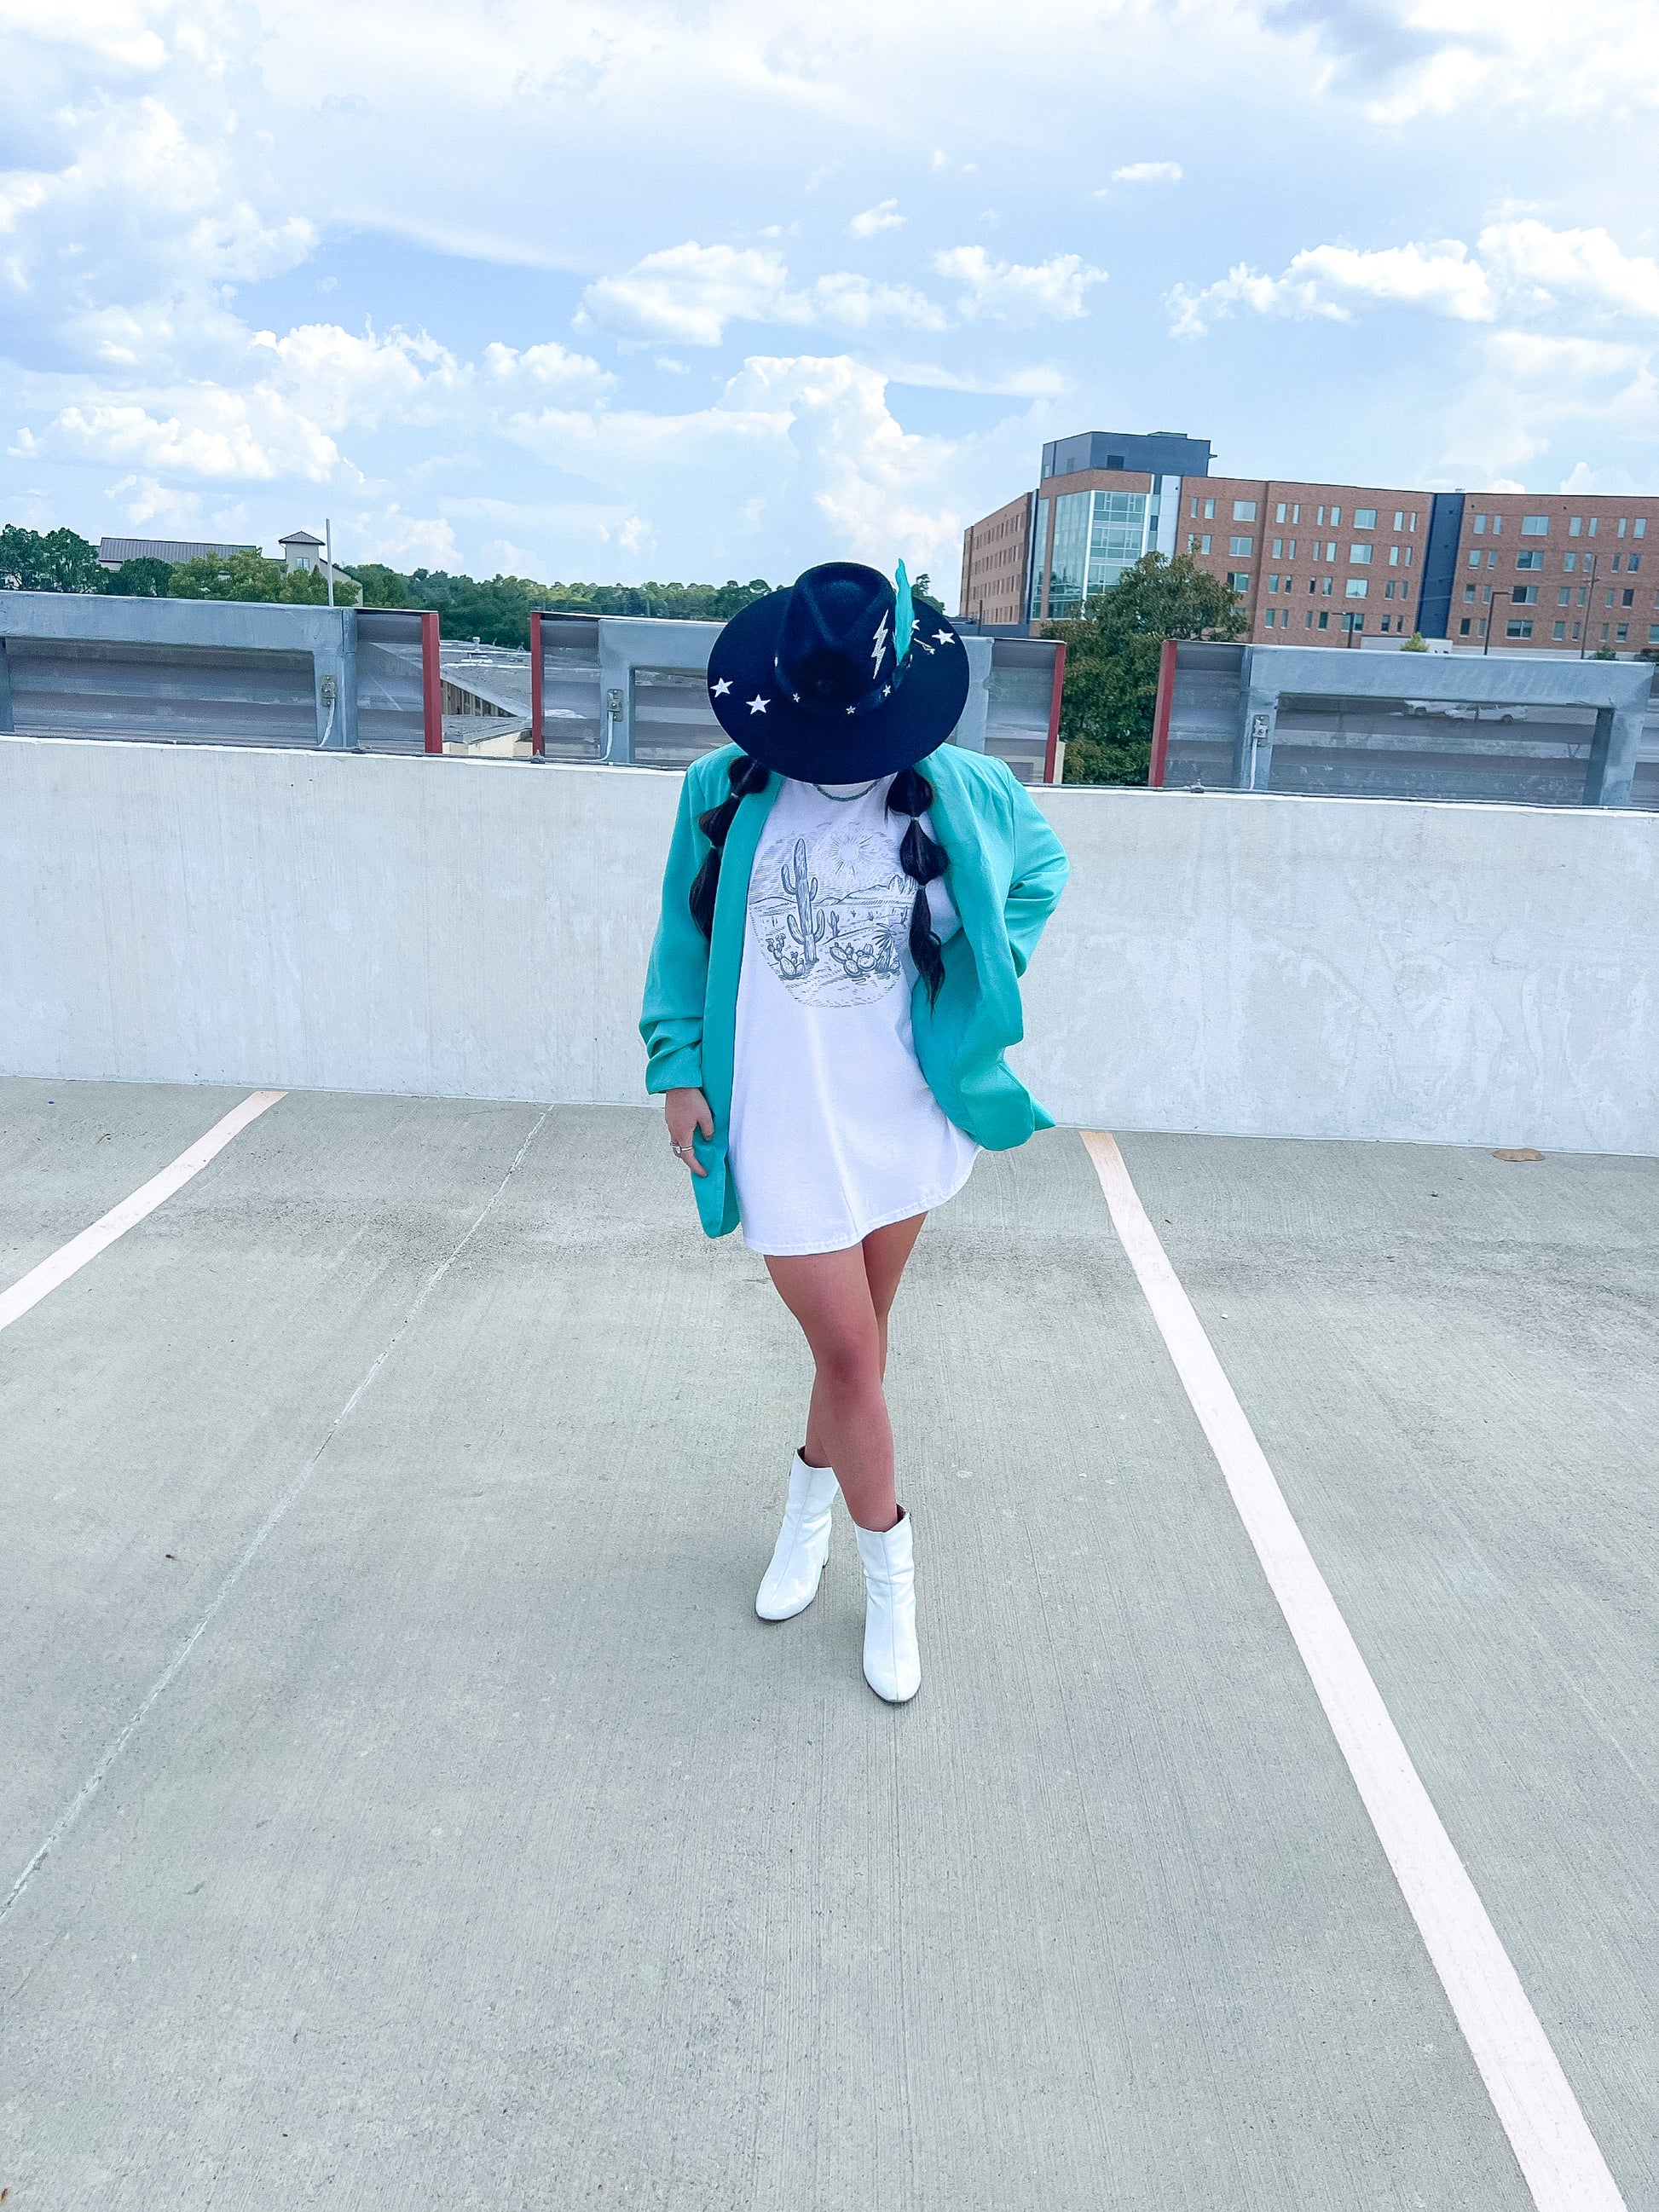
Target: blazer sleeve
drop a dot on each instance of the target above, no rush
(1039, 874)
(676, 979)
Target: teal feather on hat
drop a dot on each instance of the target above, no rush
(904, 613)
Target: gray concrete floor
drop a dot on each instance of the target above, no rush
(486, 1851)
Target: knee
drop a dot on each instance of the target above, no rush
(848, 1359)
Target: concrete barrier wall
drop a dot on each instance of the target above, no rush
(1243, 964)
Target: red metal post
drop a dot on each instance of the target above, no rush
(432, 685)
(1160, 712)
(538, 733)
(1051, 758)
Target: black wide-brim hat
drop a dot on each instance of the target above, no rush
(818, 681)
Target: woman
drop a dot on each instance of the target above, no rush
(832, 987)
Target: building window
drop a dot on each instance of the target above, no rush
(1627, 598)
(1325, 584)
(1463, 626)
(1529, 560)
(1330, 549)
(1653, 633)
(1296, 510)
(1564, 598)
(1068, 562)
(1583, 595)
(1197, 545)
(1270, 617)
(1479, 526)
(1408, 550)
(1594, 519)
(1324, 622)
(1624, 632)
(1281, 512)
(1400, 517)
(1622, 526)
(1474, 558)
(1039, 547)
(1525, 595)
(1272, 582)
(1238, 579)
(1394, 555)
(1639, 527)
(1279, 547)
(1534, 525)
(1241, 544)
(1575, 527)
(1290, 550)
(1336, 516)
(1360, 557)
(1320, 517)
(1560, 630)
(1364, 517)
(1604, 633)
(1572, 562)
(1634, 562)
(1209, 510)
(1243, 510)
(1388, 589)
(1618, 562)
(1355, 588)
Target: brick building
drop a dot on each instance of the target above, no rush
(1322, 563)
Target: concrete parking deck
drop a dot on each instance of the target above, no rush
(459, 1837)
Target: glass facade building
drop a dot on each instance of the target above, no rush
(1096, 536)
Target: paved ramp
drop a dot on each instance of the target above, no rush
(430, 1820)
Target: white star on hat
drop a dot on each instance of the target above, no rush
(942, 637)
(757, 705)
(722, 687)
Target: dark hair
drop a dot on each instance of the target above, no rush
(743, 775)
(922, 860)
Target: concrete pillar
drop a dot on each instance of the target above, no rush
(1612, 767)
(334, 672)
(1258, 717)
(970, 732)
(6, 725)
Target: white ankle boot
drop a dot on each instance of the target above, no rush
(892, 1663)
(791, 1582)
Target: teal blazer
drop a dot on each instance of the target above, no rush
(1006, 872)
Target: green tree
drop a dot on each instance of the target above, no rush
(922, 590)
(145, 578)
(46, 561)
(247, 576)
(1111, 661)
(382, 586)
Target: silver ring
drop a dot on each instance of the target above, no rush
(678, 1150)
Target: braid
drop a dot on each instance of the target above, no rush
(745, 775)
(923, 861)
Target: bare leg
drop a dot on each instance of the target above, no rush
(829, 1294)
(886, 1254)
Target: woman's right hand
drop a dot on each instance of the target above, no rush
(686, 1111)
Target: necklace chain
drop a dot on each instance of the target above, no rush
(847, 797)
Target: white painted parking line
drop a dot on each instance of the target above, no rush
(94, 1782)
(69, 1258)
(1560, 2158)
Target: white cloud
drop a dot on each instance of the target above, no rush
(253, 435)
(550, 366)
(884, 215)
(1008, 291)
(1583, 266)
(342, 379)
(689, 293)
(1328, 280)
(1147, 172)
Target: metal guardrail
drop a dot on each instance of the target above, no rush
(1529, 730)
(613, 689)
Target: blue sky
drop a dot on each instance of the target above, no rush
(621, 291)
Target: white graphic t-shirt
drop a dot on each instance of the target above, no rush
(834, 1130)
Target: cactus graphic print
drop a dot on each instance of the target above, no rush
(831, 911)
(834, 1130)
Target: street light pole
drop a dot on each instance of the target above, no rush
(1589, 605)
